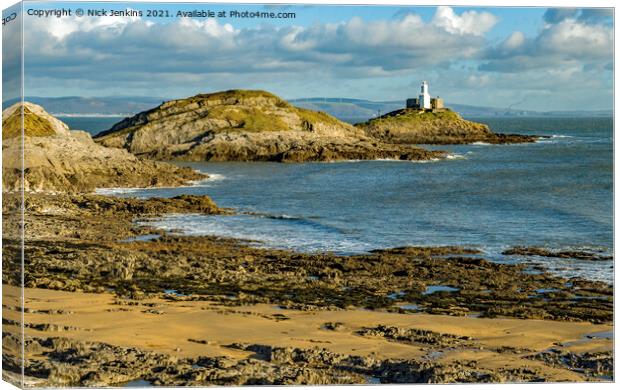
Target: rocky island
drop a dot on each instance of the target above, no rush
(441, 126)
(241, 125)
(426, 120)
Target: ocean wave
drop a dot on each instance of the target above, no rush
(284, 216)
(305, 235)
(547, 140)
(456, 156)
(430, 160)
(563, 267)
(362, 161)
(310, 221)
(479, 143)
(116, 191)
(213, 177)
(386, 160)
(449, 156)
(274, 216)
(554, 138)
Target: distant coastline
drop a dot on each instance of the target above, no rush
(87, 115)
(349, 110)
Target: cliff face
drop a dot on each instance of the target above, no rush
(410, 126)
(242, 125)
(57, 159)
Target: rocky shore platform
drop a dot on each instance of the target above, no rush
(112, 302)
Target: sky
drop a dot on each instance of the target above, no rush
(528, 58)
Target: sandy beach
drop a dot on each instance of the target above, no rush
(193, 329)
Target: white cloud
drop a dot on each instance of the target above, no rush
(294, 40)
(568, 43)
(469, 22)
(94, 56)
(577, 39)
(477, 81)
(62, 27)
(401, 32)
(130, 46)
(514, 41)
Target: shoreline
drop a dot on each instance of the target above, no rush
(534, 262)
(533, 257)
(388, 300)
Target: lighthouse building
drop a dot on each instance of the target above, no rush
(425, 97)
(424, 101)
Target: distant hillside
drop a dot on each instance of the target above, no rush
(349, 110)
(74, 105)
(356, 110)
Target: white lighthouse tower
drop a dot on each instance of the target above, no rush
(425, 97)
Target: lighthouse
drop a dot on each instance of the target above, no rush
(425, 97)
(424, 101)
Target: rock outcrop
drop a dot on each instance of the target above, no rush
(57, 159)
(64, 362)
(411, 126)
(566, 254)
(37, 122)
(242, 125)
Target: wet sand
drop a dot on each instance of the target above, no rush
(179, 327)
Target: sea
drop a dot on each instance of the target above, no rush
(91, 124)
(556, 193)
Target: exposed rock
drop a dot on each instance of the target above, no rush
(43, 327)
(420, 251)
(79, 243)
(590, 363)
(37, 122)
(61, 362)
(333, 326)
(418, 336)
(57, 159)
(89, 217)
(535, 251)
(411, 126)
(244, 125)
